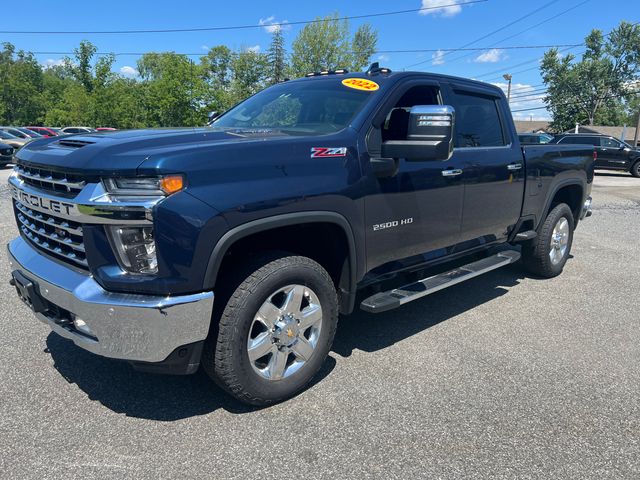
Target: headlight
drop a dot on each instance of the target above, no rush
(135, 249)
(144, 186)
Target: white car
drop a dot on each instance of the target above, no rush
(71, 130)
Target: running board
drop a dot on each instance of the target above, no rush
(384, 301)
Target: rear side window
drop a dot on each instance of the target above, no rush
(580, 140)
(610, 143)
(477, 121)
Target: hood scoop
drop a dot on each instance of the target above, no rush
(71, 143)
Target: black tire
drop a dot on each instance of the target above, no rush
(536, 254)
(635, 169)
(225, 357)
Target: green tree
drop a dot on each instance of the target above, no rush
(277, 56)
(593, 88)
(174, 93)
(22, 86)
(327, 44)
(217, 74)
(250, 74)
(81, 68)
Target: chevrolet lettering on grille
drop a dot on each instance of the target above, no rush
(42, 203)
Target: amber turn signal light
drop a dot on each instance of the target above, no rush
(172, 184)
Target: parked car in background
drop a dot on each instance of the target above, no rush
(70, 130)
(28, 132)
(21, 133)
(534, 138)
(12, 140)
(106, 129)
(613, 154)
(6, 154)
(44, 131)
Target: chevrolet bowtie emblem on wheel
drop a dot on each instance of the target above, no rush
(289, 333)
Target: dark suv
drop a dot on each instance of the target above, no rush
(612, 153)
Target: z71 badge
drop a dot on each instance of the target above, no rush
(326, 152)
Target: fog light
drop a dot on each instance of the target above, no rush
(82, 326)
(135, 249)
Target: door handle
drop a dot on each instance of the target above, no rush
(514, 166)
(453, 172)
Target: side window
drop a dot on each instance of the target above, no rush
(578, 140)
(396, 124)
(477, 121)
(609, 143)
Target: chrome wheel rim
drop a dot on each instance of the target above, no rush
(285, 331)
(559, 241)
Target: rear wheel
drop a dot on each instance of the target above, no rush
(275, 331)
(547, 254)
(635, 169)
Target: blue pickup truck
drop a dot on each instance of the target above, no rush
(236, 246)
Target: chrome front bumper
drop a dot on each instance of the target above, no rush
(133, 327)
(586, 209)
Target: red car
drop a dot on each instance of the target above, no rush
(44, 131)
(106, 129)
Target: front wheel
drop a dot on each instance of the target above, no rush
(635, 169)
(275, 331)
(547, 254)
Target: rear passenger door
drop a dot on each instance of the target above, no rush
(613, 153)
(493, 167)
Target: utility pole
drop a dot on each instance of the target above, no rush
(508, 77)
(635, 137)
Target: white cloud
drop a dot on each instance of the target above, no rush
(254, 49)
(449, 11)
(52, 63)
(437, 58)
(491, 56)
(523, 96)
(383, 58)
(128, 71)
(205, 47)
(271, 25)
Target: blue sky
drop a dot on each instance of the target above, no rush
(449, 27)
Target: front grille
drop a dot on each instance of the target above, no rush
(56, 236)
(48, 180)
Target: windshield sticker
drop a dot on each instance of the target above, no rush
(361, 84)
(328, 152)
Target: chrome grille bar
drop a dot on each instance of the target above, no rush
(67, 241)
(23, 173)
(53, 221)
(45, 245)
(53, 234)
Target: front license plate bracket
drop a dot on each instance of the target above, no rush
(28, 292)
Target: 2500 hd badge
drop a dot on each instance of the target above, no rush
(41, 203)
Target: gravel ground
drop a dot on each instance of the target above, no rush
(502, 377)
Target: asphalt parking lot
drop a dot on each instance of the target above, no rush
(505, 376)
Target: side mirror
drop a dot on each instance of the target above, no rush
(429, 135)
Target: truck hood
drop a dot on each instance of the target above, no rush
(122, 152)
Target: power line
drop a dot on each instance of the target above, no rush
(236, 27)
(536, 60)
(526, 62)
(493, 32)
(546, 20)
(203, 53)
(576, 102)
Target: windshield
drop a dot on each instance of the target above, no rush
(6, 136)
(300, 108)
(29, 133)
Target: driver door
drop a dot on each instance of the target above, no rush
(415, 211)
